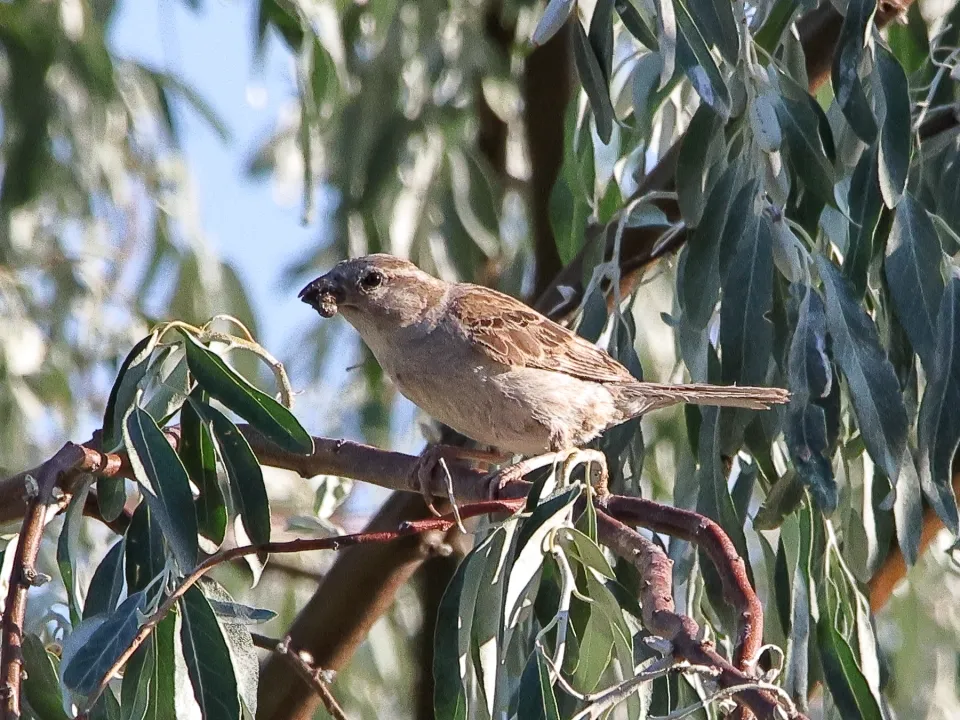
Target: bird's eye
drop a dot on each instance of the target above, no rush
(371, 279)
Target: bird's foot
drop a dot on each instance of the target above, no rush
(440, 457)
(595, 470)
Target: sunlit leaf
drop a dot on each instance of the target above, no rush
(555, 14)
(165, 484)
(263, 412)
(207, 658)
(41, 687)
(636, 24)
(124, 391)
(149, 685)
(849, 688)
(199, 458)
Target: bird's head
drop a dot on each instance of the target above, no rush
(374, 289)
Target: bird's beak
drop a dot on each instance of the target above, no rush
(324, 295)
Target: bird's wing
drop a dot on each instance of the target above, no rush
(511, 333)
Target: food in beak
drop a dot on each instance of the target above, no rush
(321, 297)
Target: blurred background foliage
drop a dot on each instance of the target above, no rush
(435, 131)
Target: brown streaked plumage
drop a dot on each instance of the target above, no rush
(492, 368)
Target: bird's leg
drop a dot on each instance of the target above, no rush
(431, 458)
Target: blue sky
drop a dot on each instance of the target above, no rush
(212, 51)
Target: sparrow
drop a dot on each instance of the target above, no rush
(492, 368)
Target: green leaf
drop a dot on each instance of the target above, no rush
(111, 497)
(149, 688)
(244, 472)
(168, 387)
(243, 654)
(746, 333)
(695, 58)
(41, 688)
(170, 85)
(207, 657)
(242, 614)
(845, 73)
(600, 36)
(451, 664)
(715, 20)
(701, 144)
(635, 24)
(594, 83)
(912, 267)
(68, 550)
(87, 667)
(124, 392)
(849, 688)
(908, 509)
(145, 557)
(871, 379)
(865, 203)
(555, 14)
(810, 379)
(699, 283)
(805, 146)
(107, 583)
(938, 423)
(165, 484)
(263, 412)
(198, 455)
(537, 700)
(895, 131)
(777, 20)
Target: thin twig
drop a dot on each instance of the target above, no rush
(315, 677)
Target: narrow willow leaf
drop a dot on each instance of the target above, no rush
(938, 423)
(244, 472)
(699, 278)
(871, 379)
(241, 614)
(68, 550)
(666, 39)
(148, 691)
(485, 640)
(207, 658)
(259, 409)
(107, 583)
(450, 664)
(41, 688)
(199, 458)
(908, 509)
(746, 333)
(716, 22)
(243, 654)
(554, 16)
(845, 73)
(694, 163)
(168, 385)
(865, 203)
(849, 688)
(594, 83)
(804, 143)
(695, 58)
(635, 24)
(165, 484)
(124, 390)
(810, 379)
(912, 267)
(84, 670)
(111, 497)
(777, 20)
(895, 131)
(537, 700)
(600, 36)
(145, 557)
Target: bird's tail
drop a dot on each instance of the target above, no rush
(642, 397)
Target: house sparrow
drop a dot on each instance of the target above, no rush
(492, 368)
